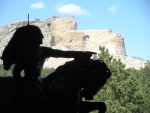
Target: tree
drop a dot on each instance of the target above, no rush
(144, 75)
(122, 92)
(47, 71)
(5, 73)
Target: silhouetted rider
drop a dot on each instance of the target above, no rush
(25, 52)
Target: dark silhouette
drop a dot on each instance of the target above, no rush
(87, 107)
(65, 89)
(82, 80)
(62, 90)
(25, 52)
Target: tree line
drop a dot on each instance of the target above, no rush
(127, 90)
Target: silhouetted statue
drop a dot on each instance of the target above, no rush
(25, 53)
(73, 81)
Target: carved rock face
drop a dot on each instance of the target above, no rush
(62, 33)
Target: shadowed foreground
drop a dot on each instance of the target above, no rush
(64, 90)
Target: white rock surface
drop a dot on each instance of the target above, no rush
(62, 33)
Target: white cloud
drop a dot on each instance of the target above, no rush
(112, 9)
(37, 5)
(70, 9)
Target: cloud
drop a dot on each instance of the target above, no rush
(112, 9)
(37, 5)
(70, 9)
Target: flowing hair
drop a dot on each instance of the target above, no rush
(21, 39)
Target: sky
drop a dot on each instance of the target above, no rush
(129, 18)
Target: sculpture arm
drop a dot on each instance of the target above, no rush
(49, 52)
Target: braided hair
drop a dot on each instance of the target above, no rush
(21, 39)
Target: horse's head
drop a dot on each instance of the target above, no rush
(95, 76)
(90, 76)
(66, 82)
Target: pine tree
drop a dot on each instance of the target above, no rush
(121, 92)
(144, 75)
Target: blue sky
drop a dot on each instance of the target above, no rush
(130, 18)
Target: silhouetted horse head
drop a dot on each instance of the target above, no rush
(73, 79)
(90, 77)
(96, 74)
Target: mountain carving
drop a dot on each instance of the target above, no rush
(61, 33)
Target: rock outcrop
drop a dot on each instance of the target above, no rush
(62, 33)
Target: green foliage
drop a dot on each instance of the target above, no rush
(4, 73)
(127, 89)
(144, 75)
(46, 72)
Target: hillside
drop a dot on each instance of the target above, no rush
(62, 33)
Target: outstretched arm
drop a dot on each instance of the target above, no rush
(48, 52)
